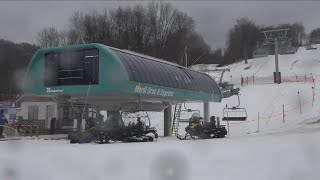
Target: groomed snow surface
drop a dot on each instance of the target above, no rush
(293, 155)
(286, 150)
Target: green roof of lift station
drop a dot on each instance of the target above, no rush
(70, 69)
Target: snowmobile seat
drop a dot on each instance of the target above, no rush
(206, 125)
(139, 125)
(234, 118)
(213, 121)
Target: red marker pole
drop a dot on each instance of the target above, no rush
(313, 93)
(283, 113)
(25, 130)
(299, 102)
(31, 130)
(305, 78)
(258, 121)
(228, 127)
(228, 121)
(242, 81)
(253, 79)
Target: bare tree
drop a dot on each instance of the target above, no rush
(314, 36)
(14, 59)
(242, 39)
(76, 32)
(157, 29)
(49, 37)
(63, 38)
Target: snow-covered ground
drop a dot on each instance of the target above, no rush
(287, 156)
(267, 100)
(285, 150)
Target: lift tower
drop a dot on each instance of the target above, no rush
(276, 37)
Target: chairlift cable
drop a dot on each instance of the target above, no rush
(259, 69)
(253, 75)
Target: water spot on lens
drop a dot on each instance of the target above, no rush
(170, 165)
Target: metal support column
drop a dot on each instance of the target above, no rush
(277, 75)
(167, 121)
(276, 55)
(206, 112)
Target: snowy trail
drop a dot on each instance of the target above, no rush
(288, 155)
(268, 100)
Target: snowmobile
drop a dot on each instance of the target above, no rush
(106, 132)
(196, 129)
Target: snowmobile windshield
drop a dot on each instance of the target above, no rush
(108, 121)
(195, 117)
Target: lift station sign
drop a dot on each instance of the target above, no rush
(7, 105)
(49, 90)
(153, 91)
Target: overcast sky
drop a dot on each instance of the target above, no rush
(20, 21)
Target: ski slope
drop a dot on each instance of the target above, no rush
(267, 100)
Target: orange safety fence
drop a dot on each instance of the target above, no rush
(26, 128)
(251, 80)
(274, 115)
(266, 80)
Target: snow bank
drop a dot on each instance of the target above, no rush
(283, 156)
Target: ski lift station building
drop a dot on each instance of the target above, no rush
(114, 79)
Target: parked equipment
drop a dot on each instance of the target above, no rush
(181, 116)
(196, 129)
(106, 132)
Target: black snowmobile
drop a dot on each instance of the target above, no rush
(196, 129)
(107, 131)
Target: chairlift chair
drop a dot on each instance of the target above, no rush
(235, 113)
(133, 116)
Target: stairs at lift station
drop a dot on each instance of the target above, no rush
(176, 119)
